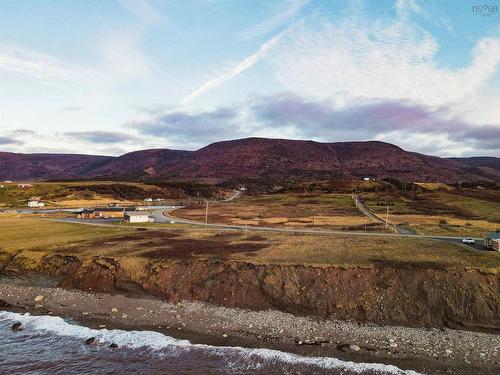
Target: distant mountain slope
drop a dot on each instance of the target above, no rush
(279, 158)
(146, 163)
(252, 158)
(44, 166)
(485, 165)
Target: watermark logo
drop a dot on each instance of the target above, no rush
(485, 10)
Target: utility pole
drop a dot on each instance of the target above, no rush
(206, 213)
(387, 216)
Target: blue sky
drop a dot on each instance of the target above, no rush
(113, 76)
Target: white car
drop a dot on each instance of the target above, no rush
(468, 240)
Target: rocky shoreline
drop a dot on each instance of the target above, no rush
(426, 350)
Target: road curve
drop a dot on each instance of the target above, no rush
(360, 204)
(166, 217)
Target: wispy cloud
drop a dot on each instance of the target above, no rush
(242, 66)
(281, 18)
(72, 108)
(41, 66)
(9, 141)
(101, 136)
(22, 132)
(394, 60)
(124, 57)
(142, 9)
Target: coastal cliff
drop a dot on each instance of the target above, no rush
(416, 295)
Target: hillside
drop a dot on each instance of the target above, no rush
(484, 165)
(273, 159)
(45, 166)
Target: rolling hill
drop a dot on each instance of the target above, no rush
(253, 158)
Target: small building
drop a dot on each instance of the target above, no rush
(104, 213)
(148, 200)
(35, 203)
(24, 186)
(111, 212)
(137, 217)
(86, 213)
(492, 241)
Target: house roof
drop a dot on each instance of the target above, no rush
(494, 235)
(137, 213)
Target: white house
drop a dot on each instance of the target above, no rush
(137, 217)
(148, 200)
(34, 203)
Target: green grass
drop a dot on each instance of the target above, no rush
(18, 234)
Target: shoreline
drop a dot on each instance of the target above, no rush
(429, 351)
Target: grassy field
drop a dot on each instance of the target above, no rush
(336, 211)
(29, 233)
(37, 238)
(464, 212)
(83, 193)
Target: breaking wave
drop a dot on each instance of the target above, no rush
(159, 344)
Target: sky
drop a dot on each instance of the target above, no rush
(113, 76)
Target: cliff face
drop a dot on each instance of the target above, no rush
(393, 295)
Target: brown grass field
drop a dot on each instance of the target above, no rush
(466, 212)
(335, 211)
(37, 238)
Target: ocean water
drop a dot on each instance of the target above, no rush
(51, 345)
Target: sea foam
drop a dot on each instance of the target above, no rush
(158, 341)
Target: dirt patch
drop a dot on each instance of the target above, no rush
(186, 248)
(256, 238)
(144, 235)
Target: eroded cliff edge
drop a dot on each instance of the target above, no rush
(416, 295)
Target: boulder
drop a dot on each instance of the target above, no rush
(16, 327)
(90, 341)
(39, 298)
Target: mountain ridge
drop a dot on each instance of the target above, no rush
(254, 158)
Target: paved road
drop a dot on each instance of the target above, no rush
(360, 204)
(236, 194)
(165, 217)
(162, 215)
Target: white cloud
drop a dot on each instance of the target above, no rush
(141, 9)
(374, 60)
(124, 57)
(239, 68)
(274, 22)
(41, 66)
